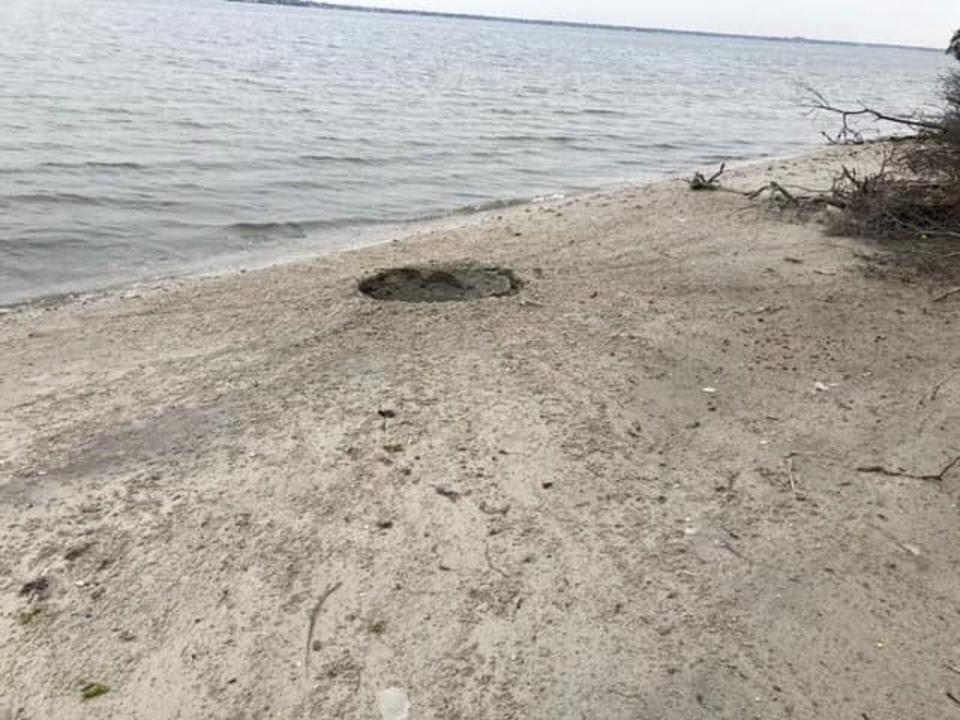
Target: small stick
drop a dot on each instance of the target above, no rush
(791, 476)
(783, 191)
(313, 622)
(730, 532)
(730, 548)
(699, 182)
(953, 697)
(939, 387)
(881, 470)
(947, 294)
(952, 668)
(793, 484)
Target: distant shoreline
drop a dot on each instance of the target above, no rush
(571, 23)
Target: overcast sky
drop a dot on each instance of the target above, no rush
(909, 22)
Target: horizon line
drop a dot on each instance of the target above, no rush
(349, 7)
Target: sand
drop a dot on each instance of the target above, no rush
(697, 466)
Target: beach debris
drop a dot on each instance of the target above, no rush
(821, 387)
(900, 472)
(25, 617)
(93, 690)
(394, 704)
(38, 588)
(710, 390)
(76, 551)
(377, 628)
(776, 194)
(791, 476)
(700, 182)
(766, 310)
(947, 294)
(449, 493)
(489, 509)
(384, 416)
(312, 623)
(393, 448)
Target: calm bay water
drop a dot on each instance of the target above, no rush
(144, 137)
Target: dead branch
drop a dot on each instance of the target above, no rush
(700, 182)
(781, 196)
(851, 135)
(938, 477)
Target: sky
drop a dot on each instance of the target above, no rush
(928, 23)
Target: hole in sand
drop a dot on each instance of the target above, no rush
(441, 284)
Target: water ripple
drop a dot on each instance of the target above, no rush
(175, 132)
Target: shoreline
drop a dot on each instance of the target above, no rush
(370, 235)
(676, 474)
(317, 5)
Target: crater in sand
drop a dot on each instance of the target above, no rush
(447, 283)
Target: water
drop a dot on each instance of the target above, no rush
(144, 137)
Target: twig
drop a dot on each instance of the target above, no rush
(881, 470)
(948, 293)
(700, 182)
(313, 623)
(791, 476)
(725, 544)
(952, 668)
(820, 103)
(939, 387)
(730, 532)
(448, 493)
(778, 190)
(952, 697)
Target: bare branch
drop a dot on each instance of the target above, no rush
(701, 182)
(848, 134)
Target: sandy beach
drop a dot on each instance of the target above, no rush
(702, 465)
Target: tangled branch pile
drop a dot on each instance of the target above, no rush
(915, 195)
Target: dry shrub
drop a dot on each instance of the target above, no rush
(914, 199)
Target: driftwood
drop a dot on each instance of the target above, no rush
(700, 182)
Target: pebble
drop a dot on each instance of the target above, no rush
(394, 704)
